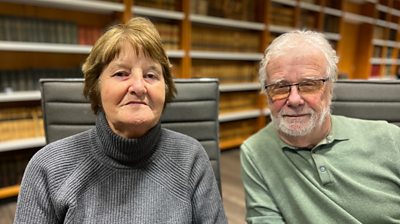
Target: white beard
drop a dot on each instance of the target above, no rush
(296, 129)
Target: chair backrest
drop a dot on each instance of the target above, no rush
(368, 99)
(194, 112)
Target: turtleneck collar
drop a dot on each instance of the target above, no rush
(121, 150)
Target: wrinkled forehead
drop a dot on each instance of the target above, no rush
(298, 56)
(298, 64)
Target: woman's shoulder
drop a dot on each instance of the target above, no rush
(178, 138)
(62, 151)
(180, 146)
(58, 160)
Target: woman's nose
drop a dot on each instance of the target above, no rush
(137, 85)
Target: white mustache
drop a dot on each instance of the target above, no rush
(296, 113)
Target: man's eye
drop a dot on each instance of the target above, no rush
(281, 85)
(308, 83)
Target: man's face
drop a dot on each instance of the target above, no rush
(301, 112)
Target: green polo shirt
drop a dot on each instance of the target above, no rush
(351, 176)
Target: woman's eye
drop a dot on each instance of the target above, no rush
(120, 74)
(151, 76)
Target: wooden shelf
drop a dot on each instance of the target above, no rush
(20, 144)
(8, 192)
(239, 87)
(279, 29)
(157, 13)
(225, 55)
(60, 48)
(232, 143)
(226, 22)
(310, 6)
(20, 96)
(44, 47)
(78, 5)
(332, 12)
(285, 2)
(242, 115)
(355, 18)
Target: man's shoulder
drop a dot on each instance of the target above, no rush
(344, 121)
(265, 139)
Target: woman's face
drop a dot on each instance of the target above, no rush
(132, 90)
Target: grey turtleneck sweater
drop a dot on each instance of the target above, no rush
(99, 177)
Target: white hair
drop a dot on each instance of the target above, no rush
(294, 39)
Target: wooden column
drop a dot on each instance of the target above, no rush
(263, 10)
(186, 36)
(127, 13)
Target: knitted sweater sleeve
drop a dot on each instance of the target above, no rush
(206, 200)
(35, 204)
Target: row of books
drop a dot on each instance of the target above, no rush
(88, 35)
(169, 33)
(206, 38)
(230, 9)
(226, 72)
(21, 122)
(282, 15)
(26, 29)
(333, 4)
(379, 32)
(378, 52)
(389, 70)
(309, 20)
(238, 101)
(22, 112)
(384, 33)
(331, 24)
(26, 80)
(159, 4)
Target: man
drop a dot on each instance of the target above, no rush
(308, 166)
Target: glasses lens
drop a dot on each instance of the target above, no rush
(281, 90)
(310, 86)
(278, 91)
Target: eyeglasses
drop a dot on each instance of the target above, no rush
(281, 90)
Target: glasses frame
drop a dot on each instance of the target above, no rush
(293, 84)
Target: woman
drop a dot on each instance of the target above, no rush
(127, 169)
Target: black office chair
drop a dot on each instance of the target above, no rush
(368, 99)
(193, 112)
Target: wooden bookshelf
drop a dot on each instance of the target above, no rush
(7, 192)
(204, 38)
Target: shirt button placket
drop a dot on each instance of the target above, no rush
(322, 169)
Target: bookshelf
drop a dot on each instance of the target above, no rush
(203, 38)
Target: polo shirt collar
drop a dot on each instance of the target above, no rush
(336, 134)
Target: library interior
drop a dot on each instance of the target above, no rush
(204, 39)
